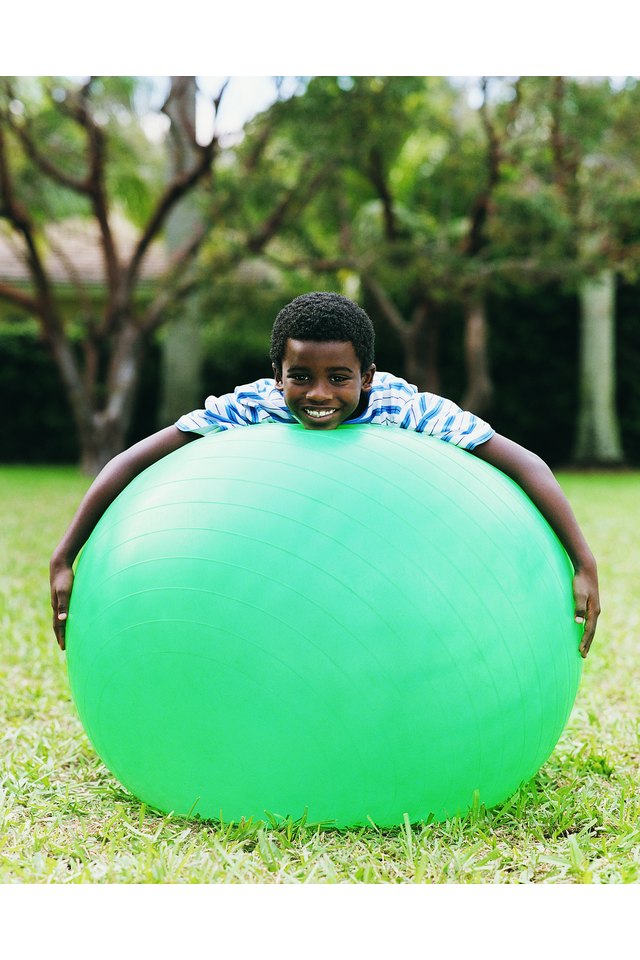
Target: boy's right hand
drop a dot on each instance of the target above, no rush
(111, 481)
(61, 581)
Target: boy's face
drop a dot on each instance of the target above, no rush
(322, 383)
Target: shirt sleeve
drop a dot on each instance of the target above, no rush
(219, 413)
(249, 404)
(442, 418)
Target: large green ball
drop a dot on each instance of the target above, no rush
(355, 625)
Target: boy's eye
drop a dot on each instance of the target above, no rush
(336, 378)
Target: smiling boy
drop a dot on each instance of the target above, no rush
(322, 352)
(323, 383)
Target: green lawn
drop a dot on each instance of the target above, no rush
(63, 818)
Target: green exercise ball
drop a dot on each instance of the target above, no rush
(355, 625)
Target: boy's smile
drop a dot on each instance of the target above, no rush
(322, 382)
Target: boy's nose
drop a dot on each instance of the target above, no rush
(318, 392)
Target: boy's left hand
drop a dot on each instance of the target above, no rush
(540, 485)
(587, 606)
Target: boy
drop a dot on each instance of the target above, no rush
(324, 375)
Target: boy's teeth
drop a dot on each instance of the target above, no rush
(319, 413)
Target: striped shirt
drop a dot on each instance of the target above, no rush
(392, 402)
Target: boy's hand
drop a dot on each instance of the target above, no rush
(61, 580)
(587, 606)
(540, 485)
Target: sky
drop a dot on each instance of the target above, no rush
(243, 98)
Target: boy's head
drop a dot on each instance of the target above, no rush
(323, 317)
(322, 353)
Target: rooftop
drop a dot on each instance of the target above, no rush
(74, 252)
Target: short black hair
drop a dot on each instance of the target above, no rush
(322, 317)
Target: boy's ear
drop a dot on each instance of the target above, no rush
(277, 374)
(367, 378)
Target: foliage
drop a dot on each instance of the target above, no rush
(136, 166)
(395, 190)
(578, 145)
(64, 819)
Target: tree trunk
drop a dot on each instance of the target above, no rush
(181, 367)
(479, 392)
(100, 441)
(420, 340)
(103, 433)
(598, 432)
(182, 350)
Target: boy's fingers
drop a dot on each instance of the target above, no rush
(580, 598)
(584, 647)
(585, 607)
(61, 581)
(60, 614)
(59, 630)
(587, 638)
(587, 614)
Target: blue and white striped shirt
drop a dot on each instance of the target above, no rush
(392, 402)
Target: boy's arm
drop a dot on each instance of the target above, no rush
(105, 488)
(539, 483)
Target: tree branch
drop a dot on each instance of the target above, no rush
(167, 298)
(77, 107)
(565, 156)
(258, 146)
(171, 291)
(385, 304)
(377, 177)
(43, 163)
(180, 110)
(18, 298)
(475, 240)
(19, 218)
(177, 188)
(96, 184)
(217, 100)
(290, 201)
(73, 274)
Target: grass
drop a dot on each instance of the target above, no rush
(64, 819)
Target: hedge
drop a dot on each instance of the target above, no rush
(533, 348)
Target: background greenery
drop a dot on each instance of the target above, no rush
(425, 198)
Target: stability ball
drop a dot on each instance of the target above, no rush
(351, 626)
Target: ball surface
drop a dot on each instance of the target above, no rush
(354, 625)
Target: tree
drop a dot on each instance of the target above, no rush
(96, 160)
(479, 391)
(594, 157)
(407, 208)
(182, 340)
(597, 430)
(358, 228)
(77, 146)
